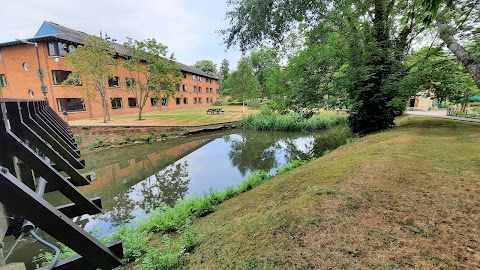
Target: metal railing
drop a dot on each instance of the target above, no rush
(37, 148)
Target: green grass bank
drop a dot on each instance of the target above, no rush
(406, 198)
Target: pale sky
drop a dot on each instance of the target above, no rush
(189, 28)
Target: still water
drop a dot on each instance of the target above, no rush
(134, 180)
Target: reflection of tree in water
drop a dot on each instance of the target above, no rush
(293, 153)
(327, 140)
(122, 212)
(167, 186)
(253, 151)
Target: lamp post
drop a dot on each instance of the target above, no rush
(40, 72)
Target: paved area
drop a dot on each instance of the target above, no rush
(443, 114)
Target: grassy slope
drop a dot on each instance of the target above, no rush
(405, 198)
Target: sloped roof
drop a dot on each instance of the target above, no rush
(53, 30)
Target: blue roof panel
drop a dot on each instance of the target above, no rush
(46, 29)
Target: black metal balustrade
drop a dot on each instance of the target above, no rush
(38, 154)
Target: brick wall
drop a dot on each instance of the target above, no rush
(21, 81)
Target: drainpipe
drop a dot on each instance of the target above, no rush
(3, 230)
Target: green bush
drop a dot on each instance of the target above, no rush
(221, 102)
(188, 240)
(135, 242)
(252, 181)
(149, 137)
(292, 121)
(254, 104)
(290, 166)
(169, 219)
(235, 102)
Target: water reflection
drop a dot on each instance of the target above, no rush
(253, 151)
(132, 188)
(135, 186)
(137, 183)
(167, 187)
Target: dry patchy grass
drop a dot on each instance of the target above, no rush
(407, 198)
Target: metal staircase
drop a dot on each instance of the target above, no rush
(38, 154)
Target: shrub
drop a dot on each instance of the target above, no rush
(135, 242)
(252, 181)
(290, 166)
(254, 104)
(221, 102)
(293, 121)
(188, 240)
(235, 102)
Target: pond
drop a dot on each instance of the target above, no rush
(134, 180)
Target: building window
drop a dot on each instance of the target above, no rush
(194, 89)
(177, 101)
(70, 105)
(208, 100)
(185, 88)
(57, 49)
(164, 102)
(114, 81)
(185, 100)
(25, 66)
(184, 75)
(200, 100)
(116, 103)
(194, 100)
(59, 76)
(132, 103)
(199, 78)
(130, 83)
(3, 80)
(154, 101)
(177, 87)
(194, 77)
(1, 58)
(199, 89)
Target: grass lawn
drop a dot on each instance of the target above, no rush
(407, 198)
(183, 117)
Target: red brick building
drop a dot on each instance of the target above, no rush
(19, 78)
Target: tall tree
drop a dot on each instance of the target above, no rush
(317, 76)
(152, 73)
(207, 66)
(93, 62)
(266, 67)
(242, 82)
(224, 72)
(459, 17)
(376, 34)
(433, 71)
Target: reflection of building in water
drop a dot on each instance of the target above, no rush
(138, 185)
(127, 173)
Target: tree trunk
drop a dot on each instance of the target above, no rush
(104, 109)
(462, 55)
(107, 111)
(140, 113)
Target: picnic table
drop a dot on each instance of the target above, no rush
(215, 111)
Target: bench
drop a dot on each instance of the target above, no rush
(215, 111)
